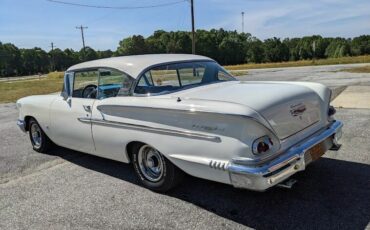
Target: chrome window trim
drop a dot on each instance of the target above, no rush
(186, 133)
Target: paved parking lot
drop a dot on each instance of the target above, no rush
(68, 189)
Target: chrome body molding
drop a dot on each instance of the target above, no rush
(262, 177)
(180, 133)
(22, 125)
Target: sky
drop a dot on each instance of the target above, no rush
(37, 23)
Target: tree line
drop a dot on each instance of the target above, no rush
(226, 47)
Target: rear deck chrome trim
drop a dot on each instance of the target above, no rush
(187, 134)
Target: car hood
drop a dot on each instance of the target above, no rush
(287, 107)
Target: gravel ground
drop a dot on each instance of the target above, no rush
(70, 190)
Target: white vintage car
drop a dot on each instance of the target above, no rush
(173, 113)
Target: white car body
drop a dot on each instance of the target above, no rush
(206, 131)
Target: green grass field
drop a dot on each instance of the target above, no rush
(12, 90)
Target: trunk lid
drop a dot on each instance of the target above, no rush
(288, 108)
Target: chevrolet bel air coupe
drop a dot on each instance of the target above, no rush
(171, 114)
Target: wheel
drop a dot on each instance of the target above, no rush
(40, 142)
(153, 170)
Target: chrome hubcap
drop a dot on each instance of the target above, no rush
(36, 135)
(150, 162)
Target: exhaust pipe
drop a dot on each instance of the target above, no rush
(287, 183)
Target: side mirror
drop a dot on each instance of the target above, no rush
(65, 95)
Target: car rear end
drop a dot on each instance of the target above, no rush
(306, 129)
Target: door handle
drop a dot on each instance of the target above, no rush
(87, 108)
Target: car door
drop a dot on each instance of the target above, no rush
(68, 115)
(114, 89)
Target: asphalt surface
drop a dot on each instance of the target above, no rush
(70, 190)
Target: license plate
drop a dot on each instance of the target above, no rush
(317, 151)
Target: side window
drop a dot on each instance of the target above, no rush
(146, 80)
(192, 74)
(159, 80)
(164, 77)
(176, 76)
(223, 76)
(113, 83)
(85, 84)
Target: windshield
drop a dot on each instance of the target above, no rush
(173, 77)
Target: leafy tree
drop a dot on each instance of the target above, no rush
(105, 53)
(232, 50)
(71, 57)
(132, 45)
(275, 50)
(255, 51)
(35, 60)
(338, 47)
(10, 60)
(361, 45)
(58, 60)
(88, 54)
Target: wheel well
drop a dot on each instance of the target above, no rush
(130, 147)
(27, 120)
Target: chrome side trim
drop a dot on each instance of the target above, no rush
(187, 134)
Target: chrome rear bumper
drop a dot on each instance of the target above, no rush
(262, 177)
(22, 125)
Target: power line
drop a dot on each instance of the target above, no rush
(117, 7)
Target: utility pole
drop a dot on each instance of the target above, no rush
(192, 27)
(242, 22)
(52, 56)
(314, 51)
(83, 38)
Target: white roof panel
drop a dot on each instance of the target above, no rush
(135, 64)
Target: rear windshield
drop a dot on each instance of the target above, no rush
(173, 77)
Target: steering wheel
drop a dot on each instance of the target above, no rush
(89, 91)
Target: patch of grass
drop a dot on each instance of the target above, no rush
(56, 75)
(237, 73)
(361, 69)
(10, 91)
(328, 61)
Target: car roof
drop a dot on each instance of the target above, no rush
(133, 65)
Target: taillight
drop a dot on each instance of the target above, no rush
(262, 145)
